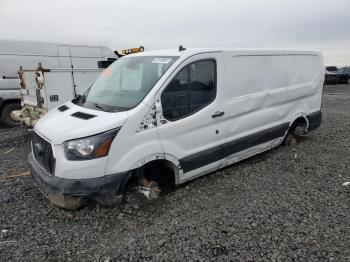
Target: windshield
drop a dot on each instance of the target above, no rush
(125, 83)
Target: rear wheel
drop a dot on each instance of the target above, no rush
(6, 114)
(290, 140)
(349, 81)
(297, 131)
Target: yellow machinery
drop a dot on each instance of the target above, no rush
(130, 51)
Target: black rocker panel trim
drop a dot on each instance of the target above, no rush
(216, 153)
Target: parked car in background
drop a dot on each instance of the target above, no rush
(331, 77)
(343, 75)
(332, 69)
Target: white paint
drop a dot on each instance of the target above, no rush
(149, 120)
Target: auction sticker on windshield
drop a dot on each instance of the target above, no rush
(161, 60)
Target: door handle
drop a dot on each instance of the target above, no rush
(218, 114)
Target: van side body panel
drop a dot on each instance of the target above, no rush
(255, 100)
(265, 91)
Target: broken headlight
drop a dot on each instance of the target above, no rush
(90, 147)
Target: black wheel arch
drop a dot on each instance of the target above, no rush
(161, 170)
(299, 121)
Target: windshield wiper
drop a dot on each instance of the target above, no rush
(101, 107)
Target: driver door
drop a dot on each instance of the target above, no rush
(191, 125)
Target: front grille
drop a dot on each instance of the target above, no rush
(42, 152)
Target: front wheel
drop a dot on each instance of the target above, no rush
(6, 114)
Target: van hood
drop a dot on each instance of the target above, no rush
(62, 124)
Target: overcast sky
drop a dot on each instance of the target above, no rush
(156, 24)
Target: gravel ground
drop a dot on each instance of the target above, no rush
(287, 204)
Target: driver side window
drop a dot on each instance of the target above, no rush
(193, 88)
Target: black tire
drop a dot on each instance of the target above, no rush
(6, 114)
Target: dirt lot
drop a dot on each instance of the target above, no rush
(284, 205)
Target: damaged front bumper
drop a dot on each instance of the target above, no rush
(74, 193)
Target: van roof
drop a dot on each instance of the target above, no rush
(194, 51)
(43, 48)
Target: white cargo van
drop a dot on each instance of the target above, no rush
(63, 57)
(169, 116)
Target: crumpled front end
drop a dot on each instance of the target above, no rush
(72, 194)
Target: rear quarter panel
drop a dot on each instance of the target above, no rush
(305, 78)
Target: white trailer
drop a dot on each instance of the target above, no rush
(27, 54)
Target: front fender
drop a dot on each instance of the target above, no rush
(130, 152)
